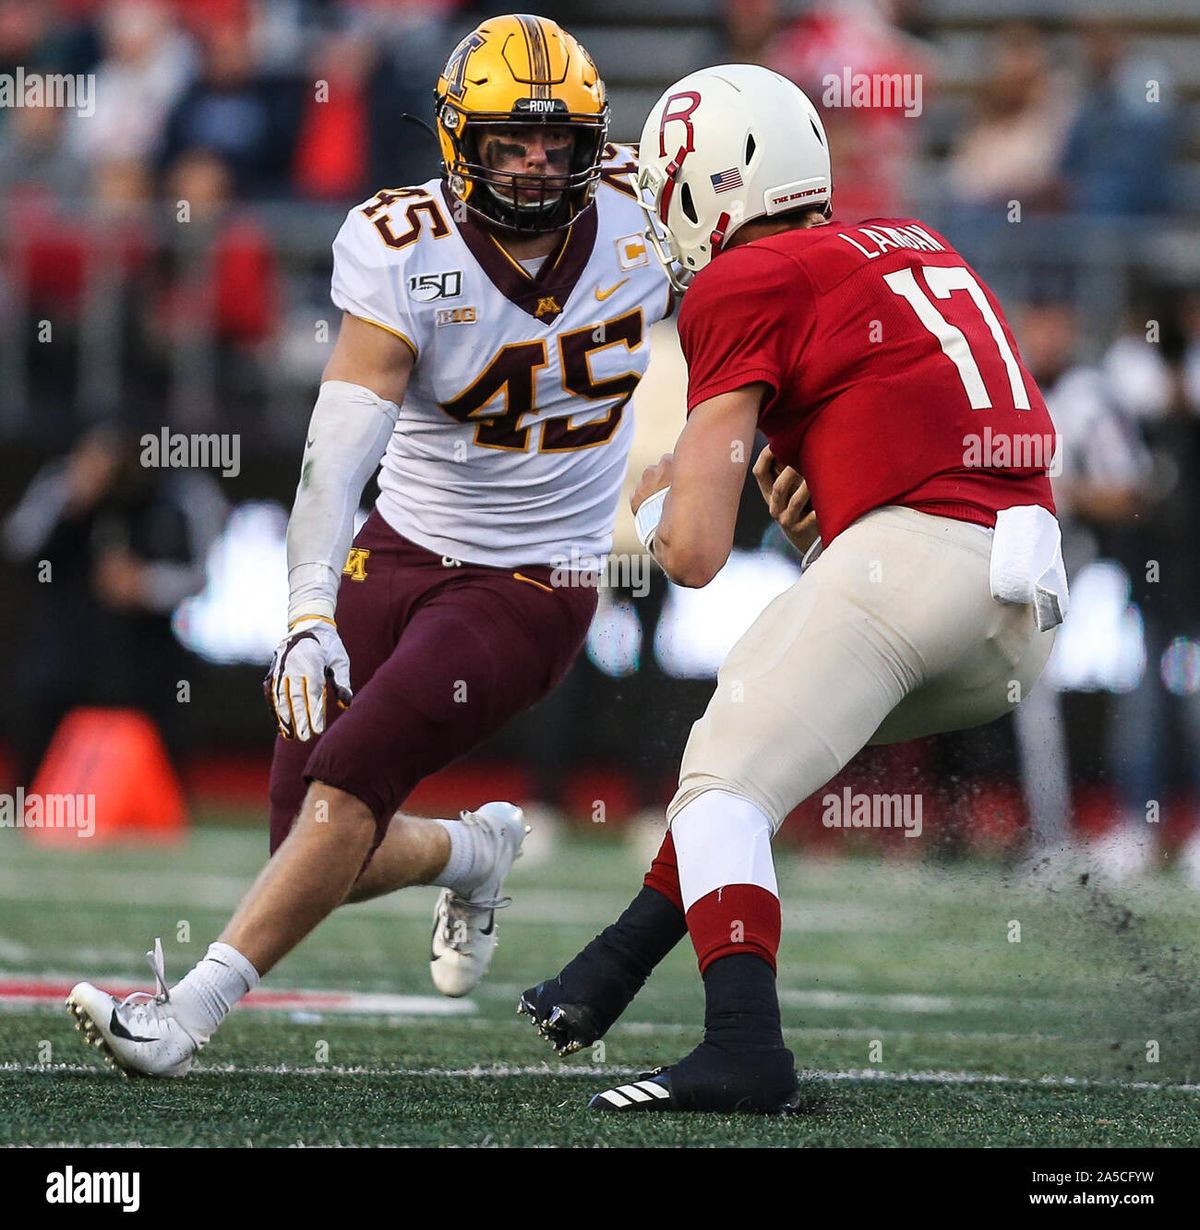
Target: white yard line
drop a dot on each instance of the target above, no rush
(605, 1071)
(992, 1078)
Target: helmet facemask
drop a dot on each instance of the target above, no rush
(526, 202)
(650, 184)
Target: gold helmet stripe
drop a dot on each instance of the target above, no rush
(539, 54)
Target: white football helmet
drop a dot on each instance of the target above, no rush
(722, 146)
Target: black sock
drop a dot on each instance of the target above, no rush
(741, 1006)
(618, 961)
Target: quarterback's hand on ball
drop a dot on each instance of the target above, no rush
(654, 478)
(310, 661)
(787, 500)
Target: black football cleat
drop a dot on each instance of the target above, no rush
(714, 1080)
(589, 994)
(651, 1091)
(568, 1027)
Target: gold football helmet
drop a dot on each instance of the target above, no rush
(518, 70)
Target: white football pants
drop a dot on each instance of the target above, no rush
(890, 635)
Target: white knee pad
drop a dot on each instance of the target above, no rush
(720, 839)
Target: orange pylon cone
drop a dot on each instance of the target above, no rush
(105, 777)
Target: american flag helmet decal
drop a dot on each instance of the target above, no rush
(727, 181)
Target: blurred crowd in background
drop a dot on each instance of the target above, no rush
(231, 82)
(166, 262)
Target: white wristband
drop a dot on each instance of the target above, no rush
(313, 590)
(647, 517)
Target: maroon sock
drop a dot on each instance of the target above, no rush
(738, 918)
(663, 875)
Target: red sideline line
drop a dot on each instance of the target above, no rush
(18, 989)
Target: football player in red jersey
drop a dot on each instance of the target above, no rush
(879, 368)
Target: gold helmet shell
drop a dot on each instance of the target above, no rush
(520, 69)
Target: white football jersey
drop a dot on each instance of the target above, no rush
(513, 435)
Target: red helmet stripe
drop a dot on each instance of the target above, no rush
(673, 169)
(717, 238)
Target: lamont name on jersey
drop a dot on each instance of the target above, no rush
(515, 428)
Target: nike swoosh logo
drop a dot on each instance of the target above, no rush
(612, 290)
(121, 1032)
(310, 443)
(491, 924)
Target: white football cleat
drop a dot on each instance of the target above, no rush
(139, 1034)
(464, 927)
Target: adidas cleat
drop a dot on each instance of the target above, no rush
(140, 1034)
(651, 1091)
(464, 927)
(714, 1080)
(567, 1027)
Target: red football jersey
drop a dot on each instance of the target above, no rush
(894, 377)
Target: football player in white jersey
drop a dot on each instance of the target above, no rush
(495, 326)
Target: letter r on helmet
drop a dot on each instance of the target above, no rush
(691, 101)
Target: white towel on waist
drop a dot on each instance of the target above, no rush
(1027, 564)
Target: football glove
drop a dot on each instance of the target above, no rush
(309, 662)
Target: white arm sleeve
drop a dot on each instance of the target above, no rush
(347, 436)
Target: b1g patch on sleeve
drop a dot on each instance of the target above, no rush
(456, 316)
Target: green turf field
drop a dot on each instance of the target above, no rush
(920, 1020)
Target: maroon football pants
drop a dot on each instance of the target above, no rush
(442, 655)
